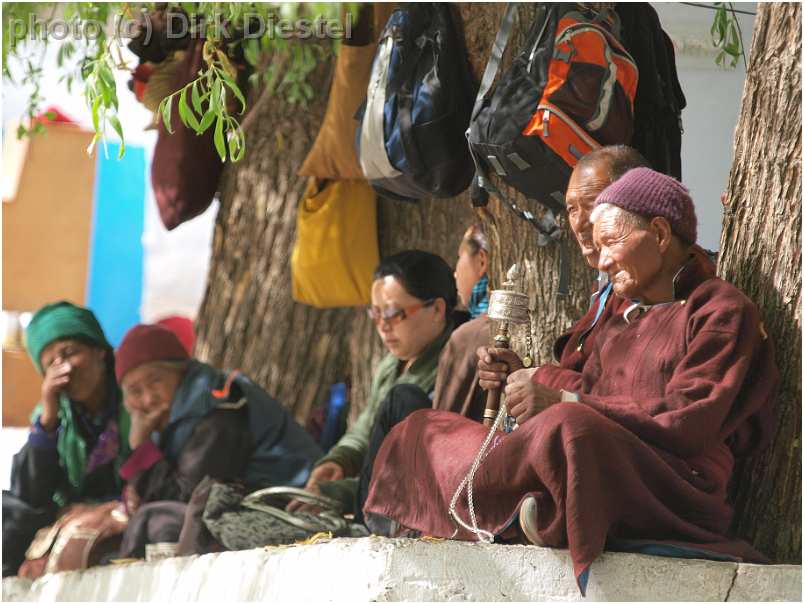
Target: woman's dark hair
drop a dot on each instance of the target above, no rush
(423, 275)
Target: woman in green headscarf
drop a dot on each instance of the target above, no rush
(79, 430)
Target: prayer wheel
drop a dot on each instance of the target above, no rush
(507, 307)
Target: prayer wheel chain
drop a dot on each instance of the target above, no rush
(482, 535)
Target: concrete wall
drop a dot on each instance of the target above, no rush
(375, 569)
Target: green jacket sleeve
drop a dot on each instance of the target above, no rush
(351, 448)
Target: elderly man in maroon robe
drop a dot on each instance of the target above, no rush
(641, 444)
(457, 381)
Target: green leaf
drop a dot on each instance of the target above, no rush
(95, 117)
(104, 93)
(218, 96)
(206, 121)
(106, 75)
(119, 129)
(241, 143)
(186, 112)
(220, 144)
(239, 95)
(183, 105)
(234, 145)
(196, 97)
(166, 103)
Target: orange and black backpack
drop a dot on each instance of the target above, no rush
(569, 90)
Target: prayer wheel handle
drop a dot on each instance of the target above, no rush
(501, 340)
(508, 307)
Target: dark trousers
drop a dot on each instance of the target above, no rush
(402, 400)
(20, 523)
(156, 522)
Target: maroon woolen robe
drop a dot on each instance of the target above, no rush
(572, 348)
(666, 401)
(457, 387)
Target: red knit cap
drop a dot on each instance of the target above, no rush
(146, 344)
(649, 193)
(183, 328)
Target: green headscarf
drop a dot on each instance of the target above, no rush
(60, 321)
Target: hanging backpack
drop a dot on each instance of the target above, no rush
(411, 142)
(570, 90)
(659, 98)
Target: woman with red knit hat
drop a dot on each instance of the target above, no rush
(184, 414)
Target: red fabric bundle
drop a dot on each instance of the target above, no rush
(186, 167)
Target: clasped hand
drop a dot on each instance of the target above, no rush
(523, 397)
(143, 422)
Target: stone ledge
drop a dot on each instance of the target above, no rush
(375, 569)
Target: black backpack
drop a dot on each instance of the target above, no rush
(659, 100)
(570, 89)
(411, 142)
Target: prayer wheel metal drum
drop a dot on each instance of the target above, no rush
(508, 307)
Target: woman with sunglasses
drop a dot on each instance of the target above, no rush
(413, 297)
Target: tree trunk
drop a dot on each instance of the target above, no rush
(248, 319)
(761, 254)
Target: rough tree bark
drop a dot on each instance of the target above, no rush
(761, 254)
(248, 319)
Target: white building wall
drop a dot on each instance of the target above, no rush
(713, 105)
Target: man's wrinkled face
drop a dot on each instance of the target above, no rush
(629, 254)
(583, 188)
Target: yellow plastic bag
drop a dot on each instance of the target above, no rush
(336, 250)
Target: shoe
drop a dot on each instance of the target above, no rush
(527, 521)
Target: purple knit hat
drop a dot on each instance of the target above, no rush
(649, 193)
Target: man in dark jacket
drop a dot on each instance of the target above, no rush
(189, 421)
